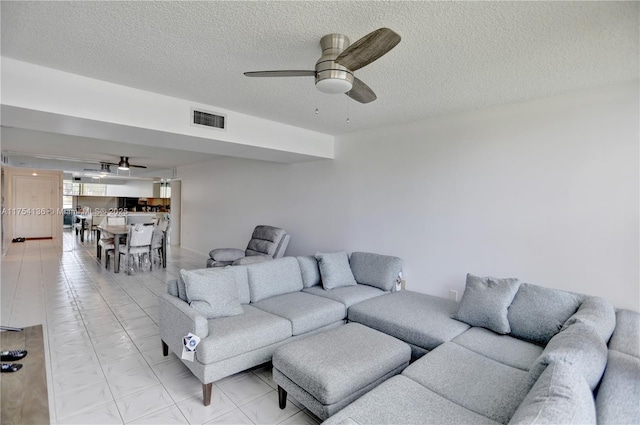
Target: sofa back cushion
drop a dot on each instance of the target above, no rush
(538, 313)
(597, 313)
(559, 396)
(275, 277)
(376, 270)
(242, 282)
(579, 346)
(626, 336)
(310, 271)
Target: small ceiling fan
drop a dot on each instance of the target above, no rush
(105, 168)
(123, 164)
(334, 70)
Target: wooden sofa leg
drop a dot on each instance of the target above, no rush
(165, 349)
(206, 393)
(282, 397)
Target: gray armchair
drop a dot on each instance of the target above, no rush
(266, 243)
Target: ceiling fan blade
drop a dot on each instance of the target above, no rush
(361, 92)
(289, 73)
(369, 48)
(137, 166)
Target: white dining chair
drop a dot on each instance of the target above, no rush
(106, 241)
(138, 244)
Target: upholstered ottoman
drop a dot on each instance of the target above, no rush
(329, 370)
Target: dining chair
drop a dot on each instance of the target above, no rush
(106, 239)
(138, 244)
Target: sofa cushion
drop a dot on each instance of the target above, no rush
(485, 302)
(578, 345)
(376, 270)
(310, 271)
(626, 336)
(597, 313)
(211, 294)
(334, 269)
(471, 380)
(559, 396)
(401, 400)
(347, 295)
(274, 277)
(419, 319)
(501, 348)
(619, 391)
(306, 312)
(235, 335)
(538, 313)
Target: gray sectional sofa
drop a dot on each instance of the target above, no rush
(507, 353)
(543, 370)
(256, 308)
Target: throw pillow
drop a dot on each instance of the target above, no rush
(380, 271)
(486, 301)
(335, 270)
(310, 271)
(211, 294)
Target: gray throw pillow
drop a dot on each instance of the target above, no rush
(335, 270)
(485, 302)
(538, 313)
(211, 294)
(310, 271)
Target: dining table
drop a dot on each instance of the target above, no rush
(118, 232)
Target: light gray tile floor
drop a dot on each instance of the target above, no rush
(103, 356)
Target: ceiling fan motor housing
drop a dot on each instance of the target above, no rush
(330, 76)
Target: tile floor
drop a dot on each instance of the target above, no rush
(103, 356)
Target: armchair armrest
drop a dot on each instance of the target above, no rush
(252, 259)
(226, 254)
(177, 319)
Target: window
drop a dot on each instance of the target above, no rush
(93, 189)
(84, 189)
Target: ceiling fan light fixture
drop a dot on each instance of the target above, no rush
(334, 85)
(123, 164)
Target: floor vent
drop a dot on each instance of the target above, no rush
(208, 119)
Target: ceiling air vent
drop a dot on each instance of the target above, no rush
(208, 119)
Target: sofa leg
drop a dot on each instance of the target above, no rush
(165, 349)
(206, 393)
(282, 397)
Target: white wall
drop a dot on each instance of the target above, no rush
(106, 110)
(132, 189)
(547, 191)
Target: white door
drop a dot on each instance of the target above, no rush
(33, 202)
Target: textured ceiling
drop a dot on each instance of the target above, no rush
(454, 56)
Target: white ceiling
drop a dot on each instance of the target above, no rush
(454, 56)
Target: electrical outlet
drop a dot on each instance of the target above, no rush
(453, 295)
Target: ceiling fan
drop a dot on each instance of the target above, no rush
(105, 168)
(123, 164)
(334, 70)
